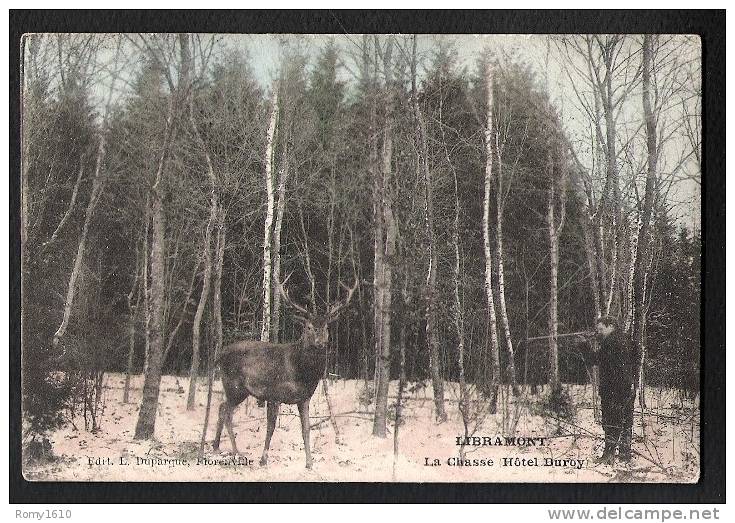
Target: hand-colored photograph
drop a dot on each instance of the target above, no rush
(361, 257)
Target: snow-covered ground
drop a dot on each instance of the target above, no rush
(668, 453)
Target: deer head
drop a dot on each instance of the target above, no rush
(316, 326)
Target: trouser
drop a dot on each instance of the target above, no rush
(617, 422)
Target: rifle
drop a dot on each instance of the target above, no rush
(581, 334)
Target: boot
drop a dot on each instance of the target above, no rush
(608, 455)
(605, 459)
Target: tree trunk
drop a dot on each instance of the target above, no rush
(219, 251)
(330, 254)
(79, 258)
(147, 416)
(614, 274)
(131, 351)
(432, 335)
(608, 105)
(386, 326)
(378, 263)
(217, 283)
(97, 187)
(196, 326)
(145, 428)
(211, 222)
(641, 260)
(146, 286)
(385, 253)
(595, 219)
(555, 229)
(378, 286)
(492, 319)
(587, 223)
(267, 266)
(332, 191)
(592, 265)
(69, 210)
(402, 378)
(554, 380)
(132, 313)
(501, 274)
(458, 315)
(280, 210)
(595, 288)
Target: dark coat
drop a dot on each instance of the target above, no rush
(618, 360)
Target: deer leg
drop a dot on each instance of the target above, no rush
(273, 407)
(305, 428)
(220, 424)
(229, 409)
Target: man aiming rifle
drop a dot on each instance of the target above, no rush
(618, 360)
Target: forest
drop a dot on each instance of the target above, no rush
(472, 204)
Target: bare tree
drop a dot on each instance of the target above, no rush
(135, 291)
(665, 68)
(556, 167)
(603, 72)
(97, 188)
(145, 426)
(641, 256)
(505, 175)
(432, 334)
(206, 255)
(270, 207)
(492, 317)
(219, 253)
(280, 210)
(384, 248)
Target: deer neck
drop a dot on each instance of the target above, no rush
(312, 360)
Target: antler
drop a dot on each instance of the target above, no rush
(288, 301)
(336, 308)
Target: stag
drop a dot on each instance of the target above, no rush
(278, 372)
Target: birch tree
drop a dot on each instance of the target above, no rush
(432, 335)
(280, 210)
(290, 84)
(97, 188)
(603, 72)
(270, 207)
(641, 256)
(666, 65)
(504, 180)
(491, 315)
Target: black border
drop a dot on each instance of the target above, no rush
(709, 24)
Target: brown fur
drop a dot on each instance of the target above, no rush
(276, 373)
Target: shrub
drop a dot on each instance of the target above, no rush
(559, 404)
(365, 395)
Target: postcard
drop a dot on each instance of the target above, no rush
(453, 258)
